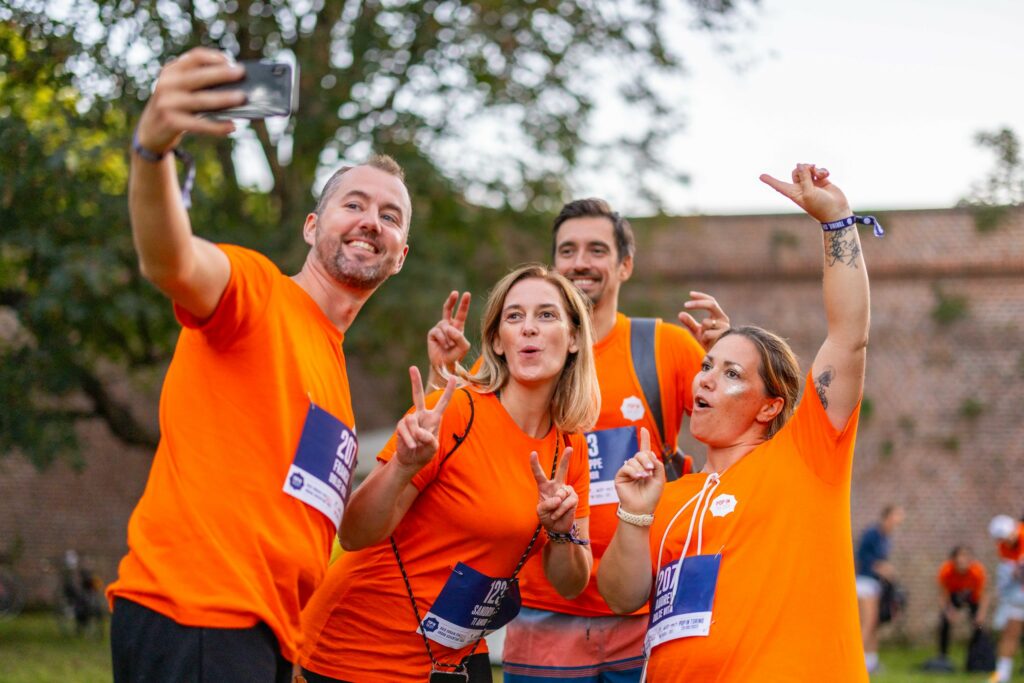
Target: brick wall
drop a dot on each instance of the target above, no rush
(942, 433)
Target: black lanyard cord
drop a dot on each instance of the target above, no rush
(438, 666)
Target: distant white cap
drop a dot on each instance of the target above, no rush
(1002, 527)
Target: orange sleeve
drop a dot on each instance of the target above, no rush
(943, 576)
(980, 576)
(579, 474)
(827, 451)
(454, 421)
(243, 301)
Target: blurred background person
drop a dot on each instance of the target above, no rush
(1009, 619)
(962, 587)
(873, 568)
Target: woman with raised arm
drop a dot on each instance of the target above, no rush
(460, 497)
(749, 563)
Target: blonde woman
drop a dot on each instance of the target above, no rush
(473, 482)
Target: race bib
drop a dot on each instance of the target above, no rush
(321, 471)
(470, 606)
(687, 613)
(608, 450)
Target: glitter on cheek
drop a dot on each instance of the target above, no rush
(736, 389)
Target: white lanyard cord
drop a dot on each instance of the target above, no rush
(703, 513)
(702, 496)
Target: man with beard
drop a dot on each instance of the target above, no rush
(258, 441)
(593, 246)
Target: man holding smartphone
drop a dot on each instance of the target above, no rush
(249, 481)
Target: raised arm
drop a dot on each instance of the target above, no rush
(379, 504)
(189, 270)
(838, 369)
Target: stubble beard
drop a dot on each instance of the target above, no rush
(350, 273)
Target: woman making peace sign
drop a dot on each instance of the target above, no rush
(471, 484)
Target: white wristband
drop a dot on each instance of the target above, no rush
(634, 519)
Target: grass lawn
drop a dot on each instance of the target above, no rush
(32, 650)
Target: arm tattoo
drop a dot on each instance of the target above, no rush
(822, 382)
(842, 247)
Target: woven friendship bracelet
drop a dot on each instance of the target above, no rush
(571, 537)
(850, 220)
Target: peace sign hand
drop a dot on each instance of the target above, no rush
(556, 500)
(446, 341)
(417, 431)
(714, 324)
(640, 480)
(812, 192)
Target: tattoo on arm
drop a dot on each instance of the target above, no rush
(822, 382)
(843, 247)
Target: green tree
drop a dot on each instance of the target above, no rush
(1004, 186)
(408, 78)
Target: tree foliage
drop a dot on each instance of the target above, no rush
(487, 105)
(1004, 186)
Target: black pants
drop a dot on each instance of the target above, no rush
(478, 666)
(148, 647)
(957, 601)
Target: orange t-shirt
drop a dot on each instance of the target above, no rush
(1013, 552)
(478, 508)
(623, 404)
(785, 607)
(215, 541)
(952, 581)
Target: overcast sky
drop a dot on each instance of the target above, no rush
(887, 94)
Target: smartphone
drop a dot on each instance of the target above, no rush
(270, 89)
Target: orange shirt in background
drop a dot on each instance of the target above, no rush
(1014, 552)
(952, 581)
(785, 607)
(678, 358)
(215, 541)
(479, 508)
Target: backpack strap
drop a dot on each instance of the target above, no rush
(641, 348)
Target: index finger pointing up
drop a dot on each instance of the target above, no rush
(645, 440)
(417, 388)
(449, 305)
(449, 389)
(563, 466)
(538, 473)
(779, 186)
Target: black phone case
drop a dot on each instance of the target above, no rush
(269, 90)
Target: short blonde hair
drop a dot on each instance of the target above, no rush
(381, 162)
(577, 399)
